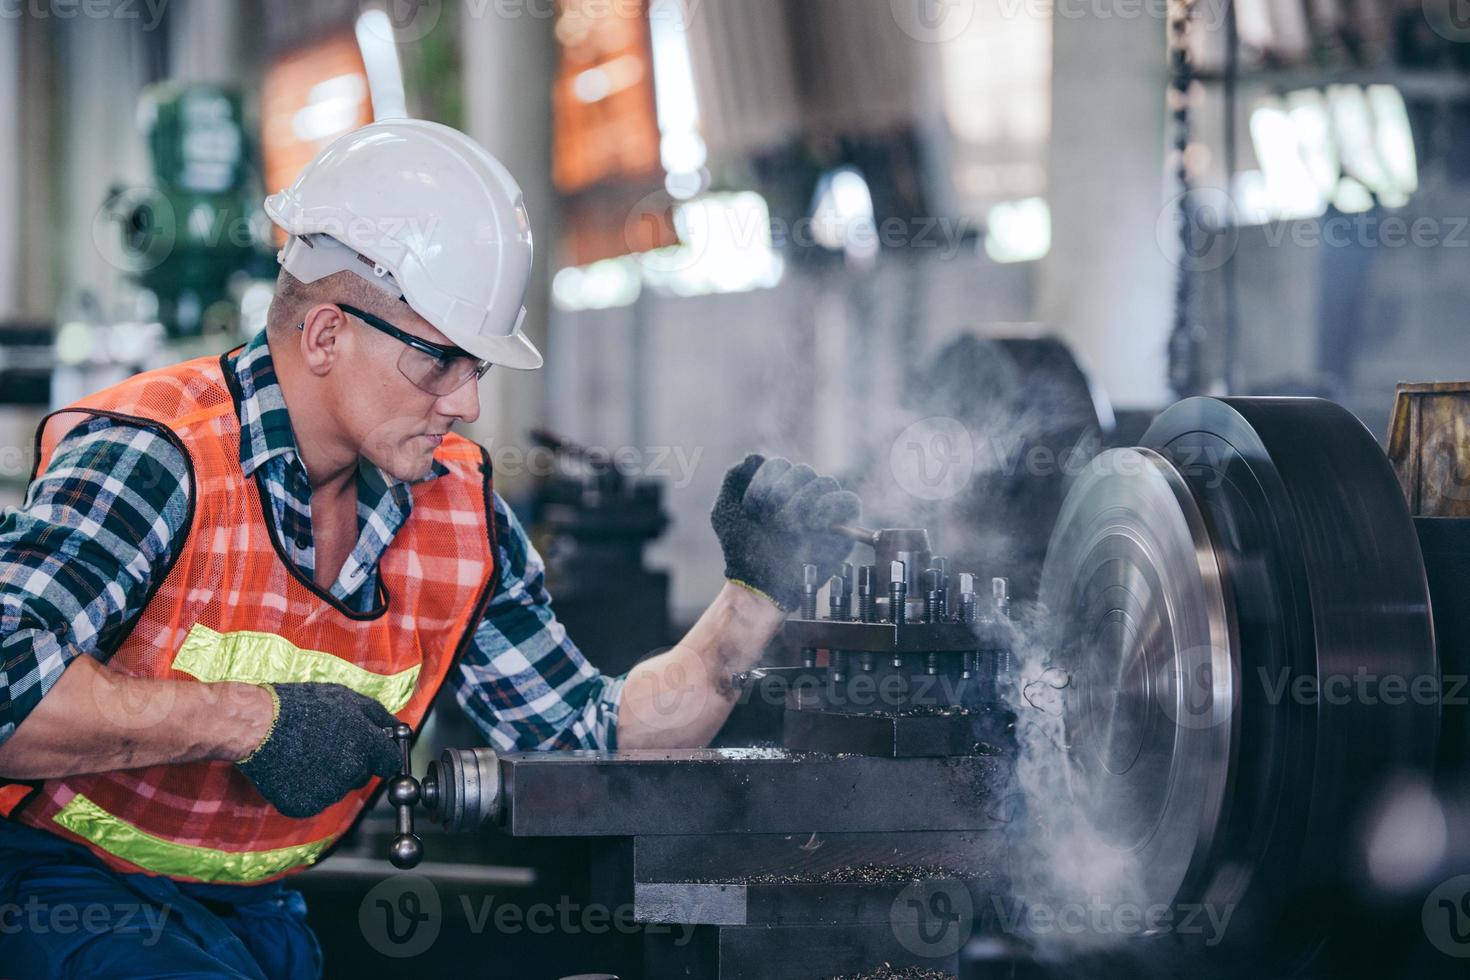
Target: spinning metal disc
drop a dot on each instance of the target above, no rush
(1235, 615)
(1147, 636)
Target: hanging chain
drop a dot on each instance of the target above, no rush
(1185, 368)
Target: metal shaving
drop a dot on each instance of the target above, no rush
(923, 711)
(862, 874)
(887, 972)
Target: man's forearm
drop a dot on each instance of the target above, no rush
(95, 719)
(680, 699)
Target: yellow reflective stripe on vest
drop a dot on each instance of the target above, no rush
(265, 658)
(118, 837)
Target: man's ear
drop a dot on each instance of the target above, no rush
(323, 338)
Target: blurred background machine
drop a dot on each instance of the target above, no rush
(593, 522)
(1029, 417)
(193, 231)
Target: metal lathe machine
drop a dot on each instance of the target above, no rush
(1237, 704)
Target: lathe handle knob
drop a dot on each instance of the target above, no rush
(407, 850)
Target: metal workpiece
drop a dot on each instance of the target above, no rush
(745, 791)
(1135, 576)
(1251, 542)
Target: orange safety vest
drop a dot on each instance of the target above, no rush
(230, 608)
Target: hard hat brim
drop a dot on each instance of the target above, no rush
(515, 352)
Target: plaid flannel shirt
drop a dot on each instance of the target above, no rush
(78, 557)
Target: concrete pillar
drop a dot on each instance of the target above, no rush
(215, 42)
(1108, 283)
(509, 60)
(12, 139)
(101, 68)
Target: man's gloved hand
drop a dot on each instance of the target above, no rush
(326, 741)
(772, 518)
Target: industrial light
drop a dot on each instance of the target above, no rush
(842, 217)
(1346, 146)
(1394, 137)
(1019, 231)
(725, 246)
(682, 149)
(1291, 188)
(332, 107)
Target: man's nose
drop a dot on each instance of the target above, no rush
(463, 403)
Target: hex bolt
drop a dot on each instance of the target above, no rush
(1000, 591)
(867, 604)
(898, 593)
(837, 605)
(933, 610)
(809, 586)
(837, 608)
(932, 594)
(941, 567)
(969, 605)
(808, 609)
(847, 589)
(969, 610)
(898, 597)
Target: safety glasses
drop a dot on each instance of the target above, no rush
(433, 368)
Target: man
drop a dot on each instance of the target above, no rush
(231, 576)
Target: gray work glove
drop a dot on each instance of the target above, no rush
(772, 518)
(326, 741)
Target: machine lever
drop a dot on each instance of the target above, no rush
(862, 535)
(407, 850)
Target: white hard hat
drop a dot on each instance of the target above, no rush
(437, 217)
